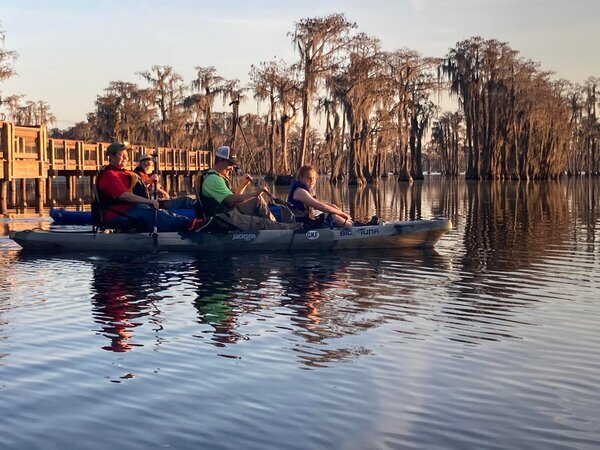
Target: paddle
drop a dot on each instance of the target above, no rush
(291, 208)
(157, 172)
(278, 201)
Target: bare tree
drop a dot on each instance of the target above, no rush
(446, 137)
(319, 42)
(126, 112)
(360, 86)
(208, 85)
(169, 91)
(517, 119)
(12, 104)
(276, 82)
(7, 58)
(263, 81)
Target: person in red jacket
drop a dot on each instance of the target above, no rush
(123, 197)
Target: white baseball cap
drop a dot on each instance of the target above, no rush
(226, 152)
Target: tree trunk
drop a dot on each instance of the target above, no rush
(306, 97)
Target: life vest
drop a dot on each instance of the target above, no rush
(208, 206)
(143, 176)
(136, 186)
(104, 202)
(297, 203)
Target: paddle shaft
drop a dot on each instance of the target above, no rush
(157, 172)
(276, 199)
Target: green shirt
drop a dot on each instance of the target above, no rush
(215, 187)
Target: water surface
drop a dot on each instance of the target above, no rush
(490, 341)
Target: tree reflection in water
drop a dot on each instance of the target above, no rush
(333, 296)
(504, 234)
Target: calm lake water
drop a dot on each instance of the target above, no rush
(490, 341)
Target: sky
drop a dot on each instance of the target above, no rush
(70, 51)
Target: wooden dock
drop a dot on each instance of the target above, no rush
(26, 153)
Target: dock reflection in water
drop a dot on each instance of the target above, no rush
(491, 341)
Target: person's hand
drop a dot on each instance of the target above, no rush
(154, 178)
(154, 204)
(345, 216)
(347, 220)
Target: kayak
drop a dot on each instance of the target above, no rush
(61, 216)
(402, 234)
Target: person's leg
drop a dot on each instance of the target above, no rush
(338, 221)
(246, 222)
(183, 202)
(257, 207)
(169, 221)
(165, 220)
(136, 218)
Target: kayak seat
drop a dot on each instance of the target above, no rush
(125, 225)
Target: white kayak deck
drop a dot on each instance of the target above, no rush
(407, 234)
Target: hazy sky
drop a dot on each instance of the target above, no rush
(69, 51)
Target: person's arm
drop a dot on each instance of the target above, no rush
(237, 199)
(162, 194)
(333, 205)
(115, 186)
(244, 184)
(215, 187)
(130, 197)
(302, 195)
(155, 185)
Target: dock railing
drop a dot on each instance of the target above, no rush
(26, 153)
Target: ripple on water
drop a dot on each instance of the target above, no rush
(489, 342)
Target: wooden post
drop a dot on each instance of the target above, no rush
(100, 154)
(51, 158)
(167, 183)
(69, 187)
(42, 143)
(49, 190)
(24, 193)
(73, 188)
(8, 143)
(12, 184)
(39, 195)
(3, 195)
(80, 159)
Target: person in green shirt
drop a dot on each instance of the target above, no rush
(242, 209)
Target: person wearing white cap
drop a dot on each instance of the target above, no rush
(242, 209)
